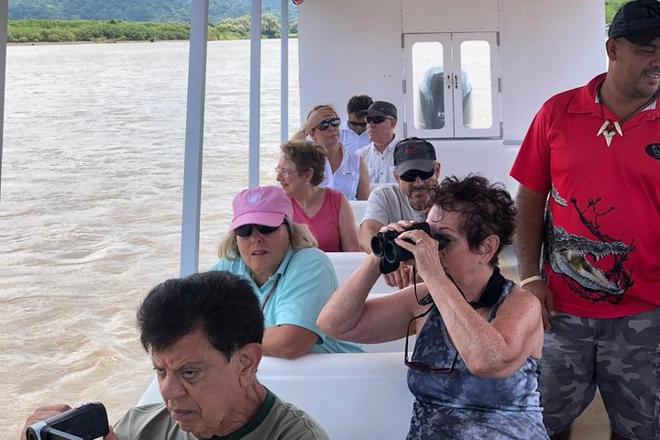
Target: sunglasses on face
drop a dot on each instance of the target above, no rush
(246, 230)
(357, 124)
(376, 119)
(412, 175)
(324, 125)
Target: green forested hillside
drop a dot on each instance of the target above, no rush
(155, 10)
(131, 10)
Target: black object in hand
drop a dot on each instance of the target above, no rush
(390, 253)
(86, 422)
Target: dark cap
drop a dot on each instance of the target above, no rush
(380, 108)
(414, 154)
(637, 21)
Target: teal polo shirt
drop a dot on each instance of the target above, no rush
(306, 281)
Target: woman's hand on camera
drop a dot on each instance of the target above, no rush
(425, 250)
(400, 278)
(399, 226)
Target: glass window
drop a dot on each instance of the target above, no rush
(428, 85)
(477, 85)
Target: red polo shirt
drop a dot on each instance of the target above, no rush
(602, 242)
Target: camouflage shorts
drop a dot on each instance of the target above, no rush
(619, 356)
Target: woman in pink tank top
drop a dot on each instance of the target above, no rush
(325, 211)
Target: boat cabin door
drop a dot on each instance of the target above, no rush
(451, 85)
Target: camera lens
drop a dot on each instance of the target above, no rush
(389, 251)
(377, 245)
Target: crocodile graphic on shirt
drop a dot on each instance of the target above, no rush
(594, 268)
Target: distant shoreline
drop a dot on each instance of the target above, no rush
(31, 32)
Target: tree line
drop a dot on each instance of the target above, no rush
(38, 31)
(161, 11)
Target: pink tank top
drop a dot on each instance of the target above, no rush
(325, 224)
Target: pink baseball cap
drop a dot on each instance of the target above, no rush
(263, 205)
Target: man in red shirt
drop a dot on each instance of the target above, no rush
(595, 151)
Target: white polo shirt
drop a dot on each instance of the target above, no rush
(351, 140)
(380, 165)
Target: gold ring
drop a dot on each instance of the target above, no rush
(418, 240)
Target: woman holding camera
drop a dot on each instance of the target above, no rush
(474, 368)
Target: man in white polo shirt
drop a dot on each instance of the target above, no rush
(378, 155)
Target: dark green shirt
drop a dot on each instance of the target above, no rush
(275, 420)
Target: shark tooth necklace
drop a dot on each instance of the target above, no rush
(610, 128)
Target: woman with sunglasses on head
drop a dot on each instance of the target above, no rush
(346, 171)
(325, 211)
(290, 276)
(474, 368)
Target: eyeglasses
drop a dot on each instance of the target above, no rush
(246, 230)
(443, 241)
(324, 125)
(412, 175)
(284, 172)
(422, 366)
(357, 124)
(377, 119)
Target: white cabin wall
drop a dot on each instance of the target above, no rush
(350, 47)
(422, 16)
(544, 53)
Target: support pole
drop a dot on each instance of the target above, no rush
(192, 173)
(4, 8)
(255, 92)
(284, 68)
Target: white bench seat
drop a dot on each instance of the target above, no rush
(345, 263)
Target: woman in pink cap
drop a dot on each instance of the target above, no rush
(292, 278)
(325, 211)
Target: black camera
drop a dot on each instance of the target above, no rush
(86, 422)
(390, 253)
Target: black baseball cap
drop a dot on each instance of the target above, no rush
(637, 21)
(380, 108)
(414, 154)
